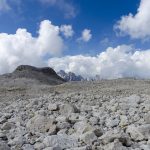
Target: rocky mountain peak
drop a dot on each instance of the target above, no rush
(45, 75)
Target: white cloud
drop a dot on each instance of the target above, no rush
(136, 26)
(117, 62)
(23, 48)
(4, 6)
(63, 5)
(67, 30)
(86, 35)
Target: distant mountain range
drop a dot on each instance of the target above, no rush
(70, 76)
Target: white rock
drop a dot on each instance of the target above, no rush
(147, 118)
(61, 119)
(39, 146)
(111, 136)
(41, 124)
(139, 133)
(88, 137)
(81, 148)
(116, 145)
(52, 148)
(52, 107)
(17, 141)
(27, 147)
(123, 121)
(62, 141)
(112, 122)
(8, 126)
(82, 127)
(67, 109)
(4, 146)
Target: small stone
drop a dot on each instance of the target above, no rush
(112, 122)
(93, 121)
(17, 141)
(63, 125)
(86, 108)
(139, 133)
(4, 146)
(3, 136)
(81, 148)
(61, 119)
(111, 136)
(8, 126)
(147, 118)
(123, 121)
(27, 147)
(88, 137)
(52, 107)
(116, 145)
(52, 148)
(82, 127)
(67, 109)
(39, 146)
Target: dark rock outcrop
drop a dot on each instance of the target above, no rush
(44, 75)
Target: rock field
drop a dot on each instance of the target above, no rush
(102, 115)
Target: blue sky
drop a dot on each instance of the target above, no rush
(99, 16)
(88, 37)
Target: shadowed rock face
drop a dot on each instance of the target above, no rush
(44, 75)
(45, 70)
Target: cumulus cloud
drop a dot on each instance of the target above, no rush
(23, 48)
(67, 30)
(136, 26)
(122, 61)
(4, 6)
(86, 35)
(63, 5)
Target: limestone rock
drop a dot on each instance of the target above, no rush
(4, 146)
(139, 133)
(61, 141)
(88, 137)
(41, 124)
(52, 107)
(67, 109)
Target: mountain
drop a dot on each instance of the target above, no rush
(70, 76)
(32, 74)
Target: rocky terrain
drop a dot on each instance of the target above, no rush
(101, 115)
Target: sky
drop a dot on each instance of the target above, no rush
(88, 37)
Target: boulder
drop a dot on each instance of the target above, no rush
(4, 146)
(67, 109)
(62, 141)
(139, 133)
(41, 124)
(88, 137)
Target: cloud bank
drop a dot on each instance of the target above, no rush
(122, 61)
(136, 26)
(46, 48)
(23, 48)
